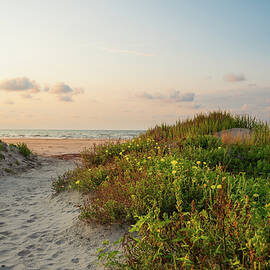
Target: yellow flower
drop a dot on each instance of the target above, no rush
(105, 184)
(173, 162)
(255, 195)
(162, 159)
(137, 145)
(213, 186)
(219, 186)
(77, 182)
(173, 172)
(121, 153)
(198, 162)
(219, 147)
(106, 151)
(149, 157)
(204, 163)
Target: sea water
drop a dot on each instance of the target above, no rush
(65, 134)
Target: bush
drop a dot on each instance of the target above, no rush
(194, 201)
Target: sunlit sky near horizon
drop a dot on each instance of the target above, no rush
(126, 64)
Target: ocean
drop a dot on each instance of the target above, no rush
(65, 134)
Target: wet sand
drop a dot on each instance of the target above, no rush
(38, 231)
(57, 147)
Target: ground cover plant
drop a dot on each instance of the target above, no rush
(193, 200)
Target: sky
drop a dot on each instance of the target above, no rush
(131, 64)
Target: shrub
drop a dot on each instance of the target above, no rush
(193, 200)
(23, 149)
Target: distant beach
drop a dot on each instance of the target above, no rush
(57, 147)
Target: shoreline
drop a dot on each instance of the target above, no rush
(49, 147)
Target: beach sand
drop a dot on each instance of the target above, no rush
(67, 148)
(41, 231)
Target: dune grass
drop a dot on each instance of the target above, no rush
(23, 149)
(193, 201)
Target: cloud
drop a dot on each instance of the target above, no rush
(234, 77)
(19, 84)
(65, 98)
(146, 95)
(77, 91)
(27, 87)
(173, 96)
(61, 88)
(64, 92)
(176, 96)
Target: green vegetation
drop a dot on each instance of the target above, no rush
(23, 149)
(194, 201)
(8, 170)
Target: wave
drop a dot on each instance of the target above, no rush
(69, 134)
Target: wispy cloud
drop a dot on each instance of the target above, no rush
(172, 96)
(176, 96)
(132, 52)
(234, 77)
(65, 98)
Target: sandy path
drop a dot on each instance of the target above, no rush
(50, 147)
(41, 232)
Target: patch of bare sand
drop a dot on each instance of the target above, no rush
(60, 148)
(38, 231)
